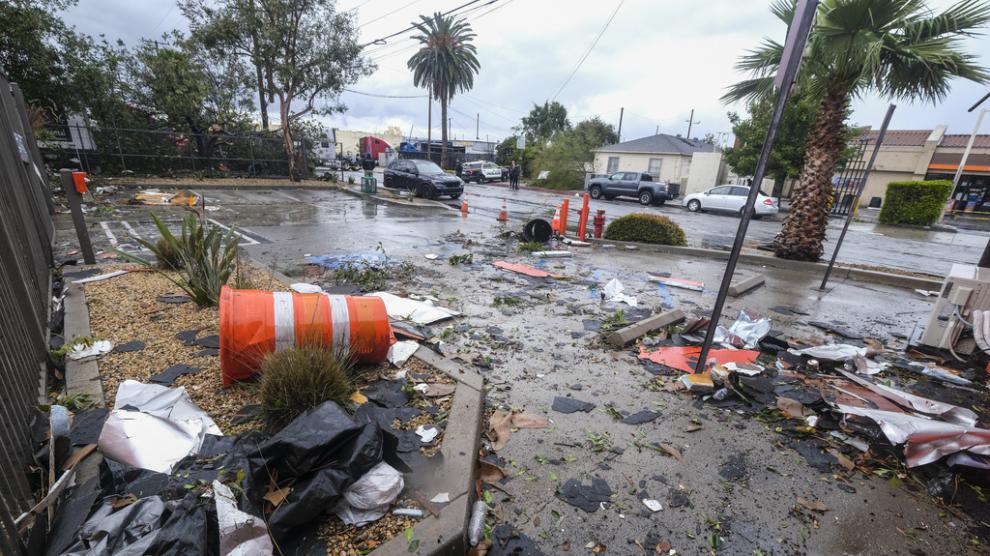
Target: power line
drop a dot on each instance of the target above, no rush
(590, 48)
(411, 27)
(379, 18)
(383, 96)
(475, 18)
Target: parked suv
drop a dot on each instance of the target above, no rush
(422, 177)
(481, 172)
(630, 184)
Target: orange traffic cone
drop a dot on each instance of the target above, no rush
(503, 215)
(464, 206)
(555, 224)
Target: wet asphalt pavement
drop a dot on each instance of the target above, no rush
(738, 480)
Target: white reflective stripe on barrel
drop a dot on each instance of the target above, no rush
(340, 317)
(285, 320)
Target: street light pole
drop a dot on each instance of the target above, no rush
(797, 38)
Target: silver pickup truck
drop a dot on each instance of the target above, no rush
(630, 184)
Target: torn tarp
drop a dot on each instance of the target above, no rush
(925, 440)
(944, 411)
(419, 312)
(525, 270)
(159, 426)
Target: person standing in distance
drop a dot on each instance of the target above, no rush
(514, 176)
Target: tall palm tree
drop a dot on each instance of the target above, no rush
(445, 64)
(897, 48)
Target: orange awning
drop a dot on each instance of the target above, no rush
(954, 167)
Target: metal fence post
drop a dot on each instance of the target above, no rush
(75, 205)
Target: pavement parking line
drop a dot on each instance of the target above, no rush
(250, 239)
(106, 230)
(130, 229)
(284, 194)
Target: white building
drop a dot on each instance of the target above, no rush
(693, 164)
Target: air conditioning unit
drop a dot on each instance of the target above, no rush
(966, 288)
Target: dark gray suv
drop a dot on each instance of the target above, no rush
(630, 184)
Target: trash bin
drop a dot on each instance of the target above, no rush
(369, 184)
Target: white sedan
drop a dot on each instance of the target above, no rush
(729, 198)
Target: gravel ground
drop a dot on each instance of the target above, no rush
(126, 308)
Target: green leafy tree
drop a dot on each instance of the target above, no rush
(179, 87)
(31, 50)
(543, 122)
(312, 53)
(787, 156)
(506, 151)
(570, 154)
(897, 48)
(234, 27)
(445, 64)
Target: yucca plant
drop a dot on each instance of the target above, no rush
(205, 255)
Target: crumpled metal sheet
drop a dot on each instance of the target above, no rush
(941, 410)
(419, 312)
(241, 534)
(925, 440)
(746, 332)
(160, 426)
(613, 292)
(684, 358)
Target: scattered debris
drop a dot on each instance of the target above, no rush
(400, 352)
(168, 376)
(679, 283)
(85, 350)
(302, 287)
(134, 345)
(686, 358)
(587, 497)
(613, 293)
(100, 277)
(418, 312)
(563, 404)
(525, 270)
(745, 333)
(553, 254)
(426, 434)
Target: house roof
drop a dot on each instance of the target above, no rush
(960, 140)
(659, 144)
(900, 137)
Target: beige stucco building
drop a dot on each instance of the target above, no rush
(920, 154)
(667, 158)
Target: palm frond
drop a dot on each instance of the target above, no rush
(763, 60)
(749, 90)
(960, 19)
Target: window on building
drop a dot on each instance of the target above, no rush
(613, 165)
(654, 169)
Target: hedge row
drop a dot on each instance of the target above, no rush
(646, 228)
(915, 203)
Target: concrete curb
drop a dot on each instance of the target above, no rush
(81, 377)
(446, 534)
(838, 272)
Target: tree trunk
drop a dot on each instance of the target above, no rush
(287, 144)
(803, 231)
(261, 98)
(778, 187)
(443, 131)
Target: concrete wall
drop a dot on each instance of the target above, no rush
(674, 168)
(707, 171)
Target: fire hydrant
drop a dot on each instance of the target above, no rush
(599, 222)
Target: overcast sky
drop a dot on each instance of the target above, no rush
(657, 59)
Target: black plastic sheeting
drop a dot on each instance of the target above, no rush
(318, 455)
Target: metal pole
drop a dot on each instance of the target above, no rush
(477, 126)
(690, 123)
(789, 72)
(855, 201)
(969, 147)
(622, 112)
(75, 206)
(429, 122)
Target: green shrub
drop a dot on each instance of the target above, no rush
(646, 228)
(207, 257)
(296, 380)
(915, 203)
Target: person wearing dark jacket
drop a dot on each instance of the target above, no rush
(514, 176)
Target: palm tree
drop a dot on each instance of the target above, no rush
(445, 64)
(897, 48)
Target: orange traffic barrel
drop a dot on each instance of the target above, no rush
(255, 323)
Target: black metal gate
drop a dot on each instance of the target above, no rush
(848, 185)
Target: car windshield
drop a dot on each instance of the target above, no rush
(427, 167)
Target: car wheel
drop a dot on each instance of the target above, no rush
(482, 180)
(694, 205)
(421, 191)
(454, 196)
(596, 192)
(645, 198)
(431, 192)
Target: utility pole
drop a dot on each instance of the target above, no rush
(622, 112)
(691, 122)
(477, 126)
(429, 122)
(657, 132)
(985, 259)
